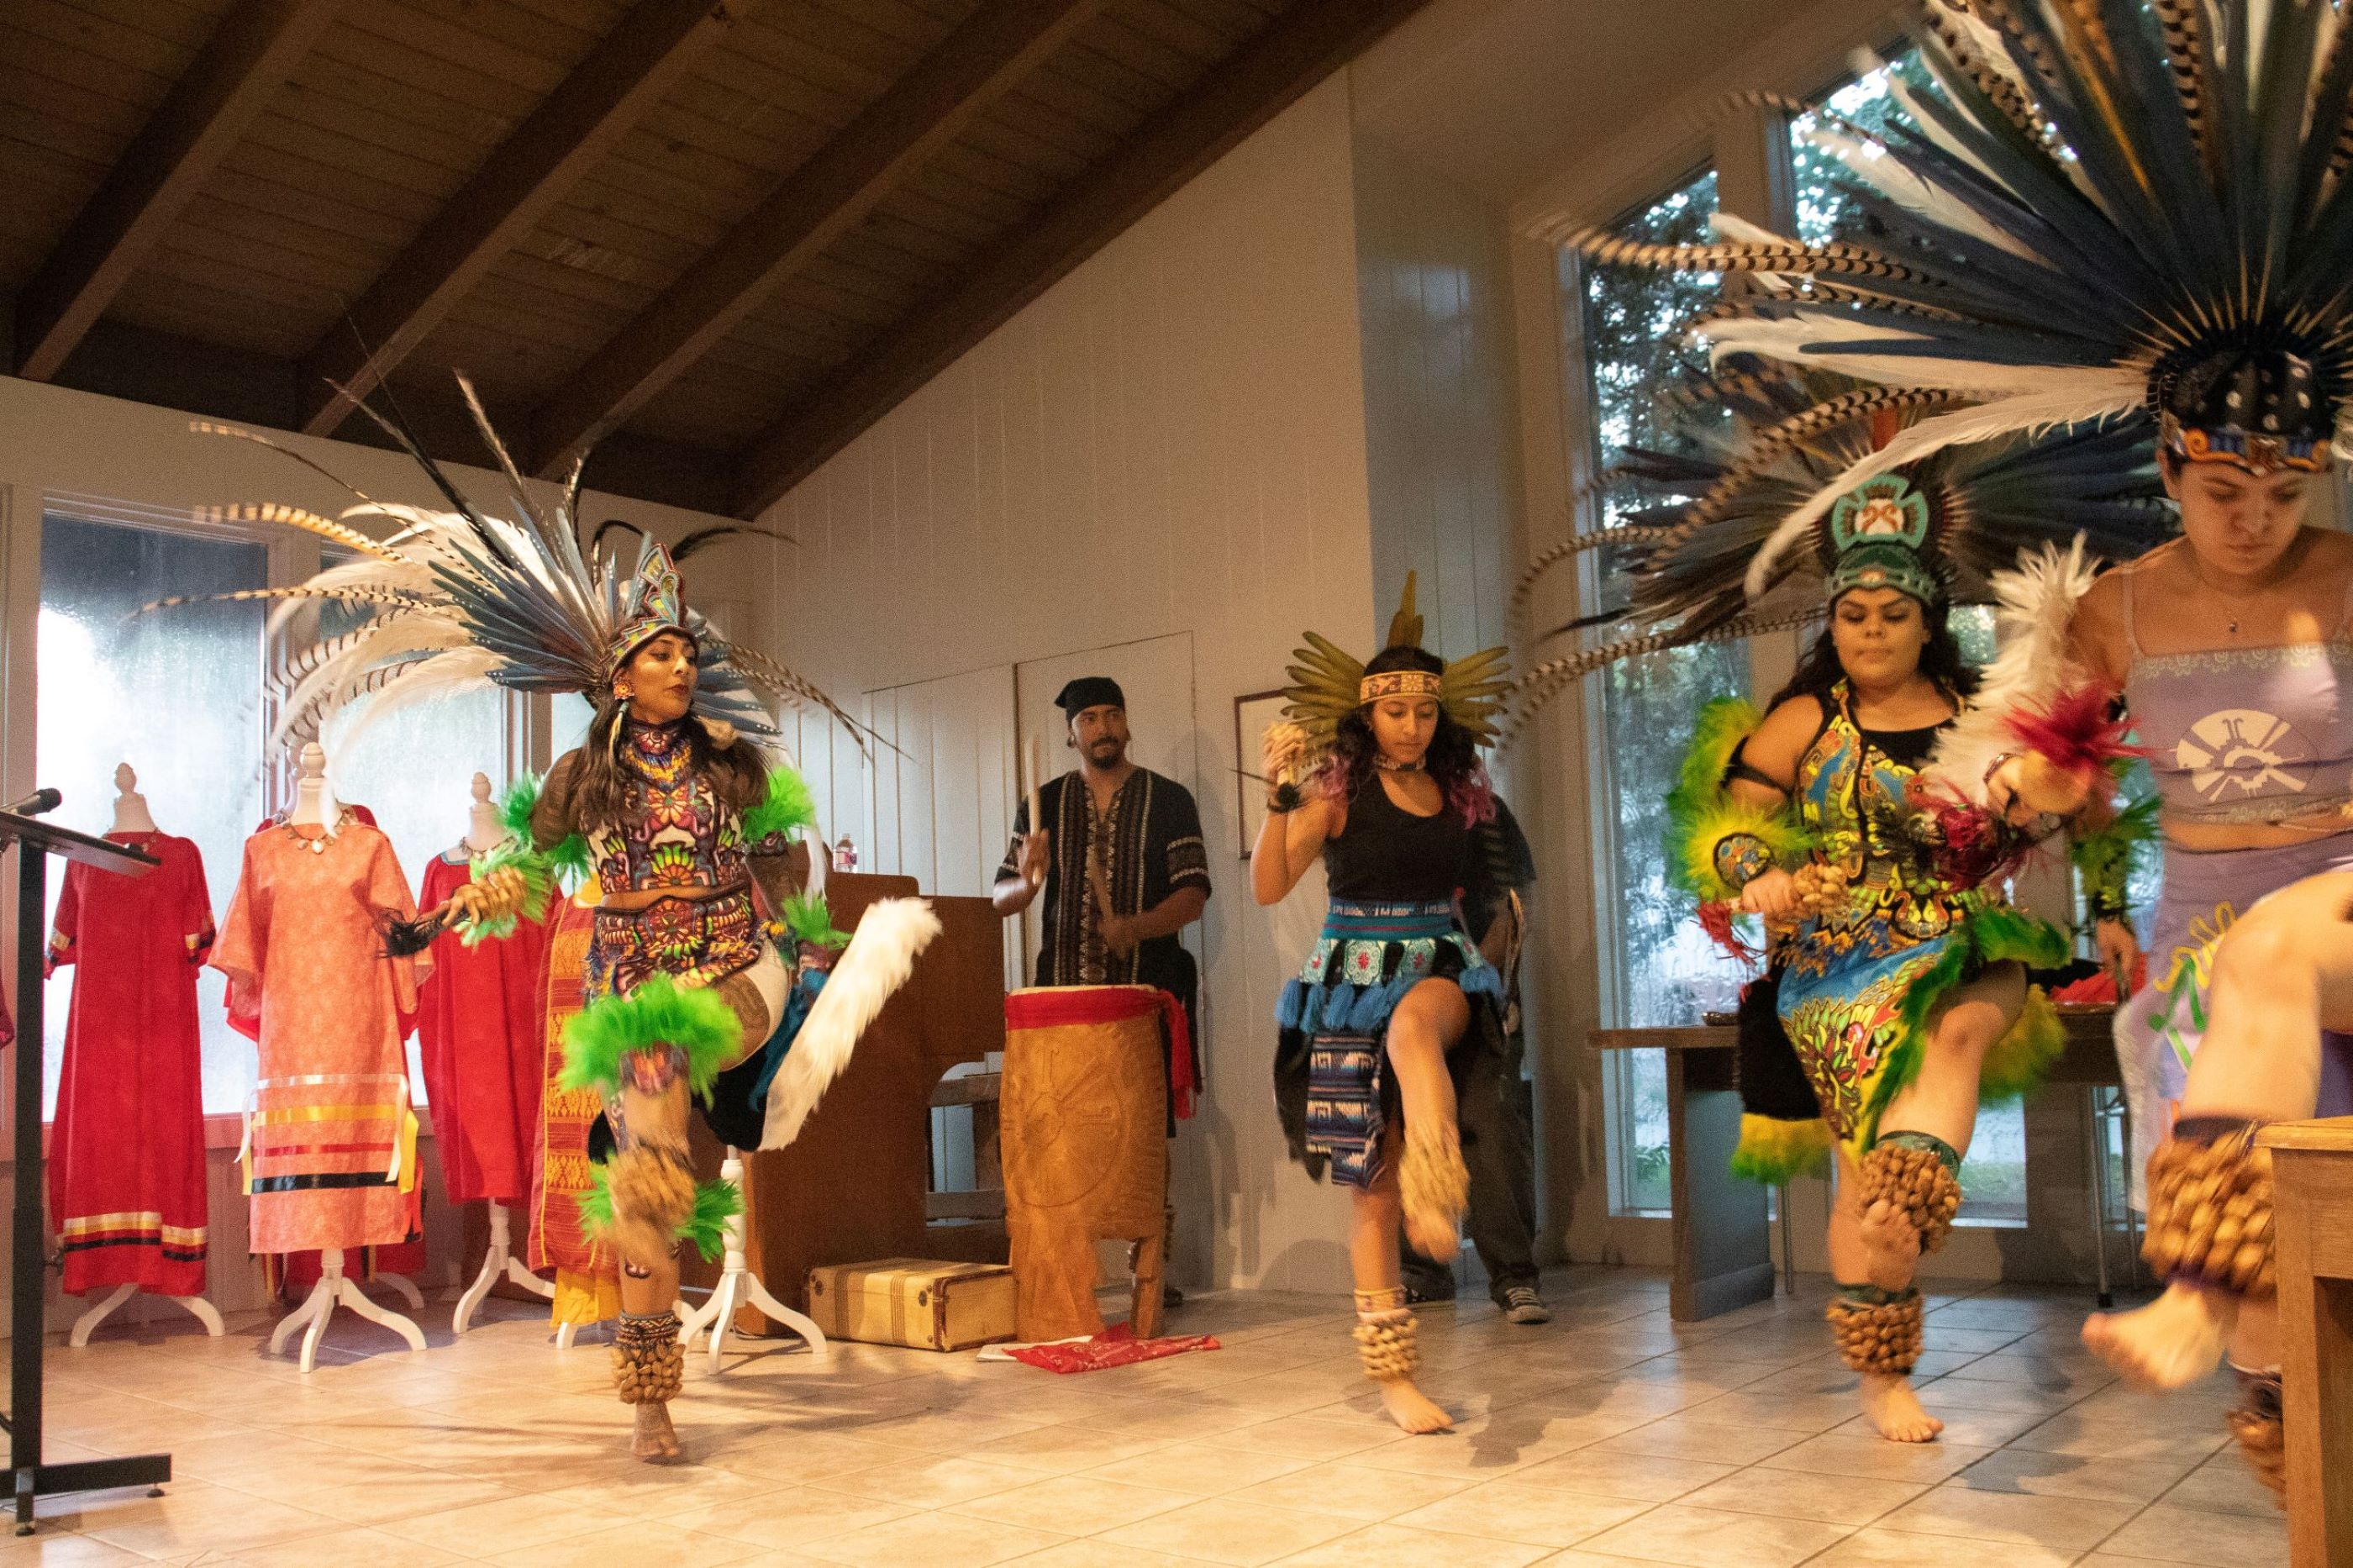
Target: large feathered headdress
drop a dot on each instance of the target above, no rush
(2111, 210)
(1327, 684)
(1756, 440)
(459, 600)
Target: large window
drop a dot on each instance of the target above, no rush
(179, 695)
(176, 695)
(1666, 971)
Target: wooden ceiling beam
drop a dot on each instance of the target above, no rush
(538, 164)
(249, 57)
(820, 201)
(1298, 50)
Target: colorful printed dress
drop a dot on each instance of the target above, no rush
(1860, 982)
(478, 1026)
(330, 1156)
(127, 1155)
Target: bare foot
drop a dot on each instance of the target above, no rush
(1896, 1411)
(1436, 1233)
(1891, 1246)
(2173, 1341)
(655, 1439)
(1412, 1409)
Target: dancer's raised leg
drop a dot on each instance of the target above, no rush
(1434, 1183)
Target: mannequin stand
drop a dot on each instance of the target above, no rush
(498, 1262)
(403, 1286)
(738, 1288)
(88, 1320)
(335, 1290)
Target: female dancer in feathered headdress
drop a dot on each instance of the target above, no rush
(1378, 773)
(2141, 214)
(708, 975)
(1898, 972)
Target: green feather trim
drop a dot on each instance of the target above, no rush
(660, 1011)
(1701, 813)
(521, 799)
(1774, 1151)
(2107, 857)
(807, 917)
(595, 1202)
(1996, 934)
(2026, 1053)
(538, 887)
(715, 1203)
(788, 808)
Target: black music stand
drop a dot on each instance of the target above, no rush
(35, 842)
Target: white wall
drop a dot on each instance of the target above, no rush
(1171, 440)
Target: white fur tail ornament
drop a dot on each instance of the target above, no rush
(880, 957)
(2034, 605)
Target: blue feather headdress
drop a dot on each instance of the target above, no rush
(2112, 213)
(1756, 440)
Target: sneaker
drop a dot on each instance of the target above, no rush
(1521, 1304)
(1171, 1298)
(1428, 1295)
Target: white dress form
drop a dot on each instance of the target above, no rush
(130, 815)
(315, 806)
(484, 833)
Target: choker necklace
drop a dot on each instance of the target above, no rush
(1389, 765)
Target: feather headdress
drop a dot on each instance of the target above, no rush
(1327, 683)
(2110, 211)
(1756, 439)
(461, 599)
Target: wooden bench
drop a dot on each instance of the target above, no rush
(2312, 1198)
(1721, 1237)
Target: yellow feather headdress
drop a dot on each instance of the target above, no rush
(1326, 682)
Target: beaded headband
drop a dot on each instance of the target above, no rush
(1399, 683)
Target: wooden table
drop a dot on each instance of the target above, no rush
(2312, 1205)
(1722, 1240)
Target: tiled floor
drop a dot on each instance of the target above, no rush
(1610, 1435)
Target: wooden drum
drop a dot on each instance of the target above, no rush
(1083, 1110)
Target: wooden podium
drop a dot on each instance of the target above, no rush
(851, 1188)
(33, 1479)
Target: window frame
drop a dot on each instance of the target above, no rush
(288, 559)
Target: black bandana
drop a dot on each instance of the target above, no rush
(1088, 691)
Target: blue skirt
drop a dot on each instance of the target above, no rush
(1332, 1086)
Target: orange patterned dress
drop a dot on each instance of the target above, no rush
(330, 1137)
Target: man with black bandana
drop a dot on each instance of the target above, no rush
(1121, 863)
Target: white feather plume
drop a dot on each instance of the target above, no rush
(881, 955)
(1892, 179)
(1810, 335)
(2082, 397)
(2034, 603)
(453, 673)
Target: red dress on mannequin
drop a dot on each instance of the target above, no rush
(478, 1023)
(127, 1152)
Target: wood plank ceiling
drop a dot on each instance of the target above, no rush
(708, 243)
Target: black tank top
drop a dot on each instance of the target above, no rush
(1388, 855)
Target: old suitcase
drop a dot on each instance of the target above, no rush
(916, 1302)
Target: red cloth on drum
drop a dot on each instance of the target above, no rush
(1060, 1007)
(127, 1152)
(478, 1032)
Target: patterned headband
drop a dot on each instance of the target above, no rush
(1398, 683)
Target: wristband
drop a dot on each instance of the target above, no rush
(1740, 858)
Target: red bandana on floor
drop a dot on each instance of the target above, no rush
(1115, 1346)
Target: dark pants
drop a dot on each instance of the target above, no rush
(1494, 1110)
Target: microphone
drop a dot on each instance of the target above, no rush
(34, 804)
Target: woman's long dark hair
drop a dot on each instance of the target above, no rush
(1819, 671)
(738, 774)
(1452, 758)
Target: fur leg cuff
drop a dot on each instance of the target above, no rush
(652, 1189)
(1876, 1331)
(1914, 1172)
(2256, 1422)
(1435, 1188)
(2209, 1209)
(1387, 1341)
(649, 1364)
